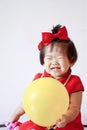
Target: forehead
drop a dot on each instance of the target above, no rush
(57, 48)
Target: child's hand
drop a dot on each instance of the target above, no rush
(62, 122)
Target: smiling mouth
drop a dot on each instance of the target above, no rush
(55, 68)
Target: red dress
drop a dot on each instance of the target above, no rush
(72, 85)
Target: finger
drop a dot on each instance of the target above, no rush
(59, 125)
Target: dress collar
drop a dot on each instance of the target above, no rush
(62, 80)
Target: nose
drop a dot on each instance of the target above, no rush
(54, 61)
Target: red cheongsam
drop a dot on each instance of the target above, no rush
(72, 84)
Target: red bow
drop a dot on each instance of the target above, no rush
(47, 37)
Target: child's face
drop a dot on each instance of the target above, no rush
(56, 62)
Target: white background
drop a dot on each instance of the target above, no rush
(21, 24)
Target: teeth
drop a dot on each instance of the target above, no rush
(54, 68)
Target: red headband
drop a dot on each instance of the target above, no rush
(47, 37)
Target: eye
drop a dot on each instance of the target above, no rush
(60, 57)
(48, 58)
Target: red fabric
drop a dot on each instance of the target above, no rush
(47, 37)
(73, 85)
(29, 125)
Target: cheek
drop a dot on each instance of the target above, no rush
(61, 62)
(66, 64)
(46, 64)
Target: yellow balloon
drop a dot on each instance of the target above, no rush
(45, 100)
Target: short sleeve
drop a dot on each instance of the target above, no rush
(74, 84)
(37, 76)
